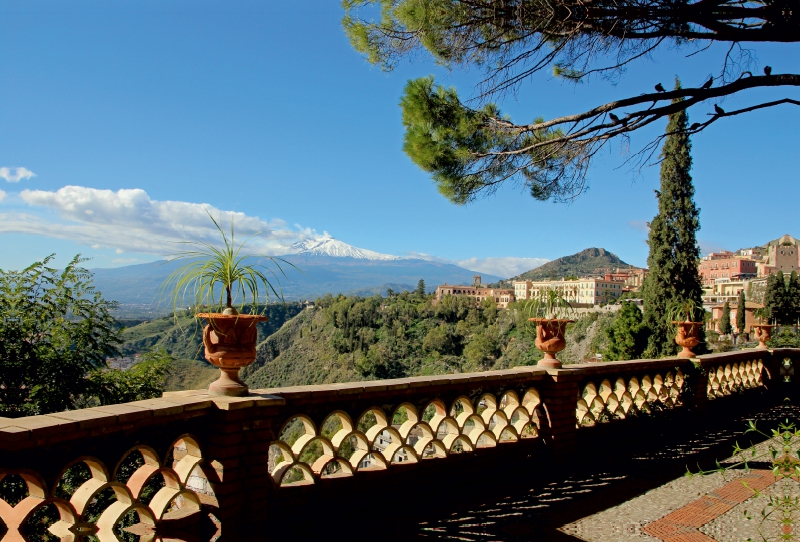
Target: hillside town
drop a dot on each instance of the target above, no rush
(724, 275)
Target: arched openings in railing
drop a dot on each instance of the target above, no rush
(620, 398)
(88, 499)
(730, 377)
(375, 440)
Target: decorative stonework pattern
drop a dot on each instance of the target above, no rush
(726, 379)
(623, 397)
(79, 514)
(377, 441)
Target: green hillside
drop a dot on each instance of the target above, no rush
(352, 338)
(592, 261)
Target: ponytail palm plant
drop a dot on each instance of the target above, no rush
(217, 275)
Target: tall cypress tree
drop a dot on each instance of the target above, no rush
(725, 320)
(741, 314)
(673, 242)
(775, 298)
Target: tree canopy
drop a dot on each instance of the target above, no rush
(56, 332)
(627, 337)
(782, 298)
(470, 150)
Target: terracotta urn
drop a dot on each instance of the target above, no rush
(763, 332)
(687, 337)
(550, 340)
(230, 343)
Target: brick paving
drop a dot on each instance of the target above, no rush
(684, 523)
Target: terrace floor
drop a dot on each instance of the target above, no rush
(644, 495)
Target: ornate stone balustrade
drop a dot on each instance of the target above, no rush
(734, 372)
(151, 466)
(622, 389)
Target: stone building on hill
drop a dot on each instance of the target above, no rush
(726, 265)
(584, 291)
(480, 292)
(782, 255)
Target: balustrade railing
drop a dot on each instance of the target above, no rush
(134, 469)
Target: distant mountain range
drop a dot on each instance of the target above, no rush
(320, 267)
(591, 261)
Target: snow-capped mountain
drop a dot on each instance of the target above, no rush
(328, 246)
(317, 267)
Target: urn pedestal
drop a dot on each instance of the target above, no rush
(550, 340)
(230, 344)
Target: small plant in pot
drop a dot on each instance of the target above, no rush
(215, 277)
(682, 315)
(762, 331)
(551, 313)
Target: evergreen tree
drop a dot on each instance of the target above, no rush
(725, 321)
(421, 287)
(782, 298)
(777, 301)
(769, 296)
(793, 298)
(673, 244)
(741, 313)
(627, 337)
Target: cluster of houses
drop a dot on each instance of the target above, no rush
(580, 292)
(724, 276)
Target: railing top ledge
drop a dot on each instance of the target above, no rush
(36, 430)
(606, 367)
(330, 391)
(738, 355)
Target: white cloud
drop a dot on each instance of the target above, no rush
(129, 220)
(640, 225)
(707, 247)
(504, 267)
(2, 195)
(16, 174)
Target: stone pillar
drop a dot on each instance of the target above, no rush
(238, 452)
(560, 395)
(698, 380)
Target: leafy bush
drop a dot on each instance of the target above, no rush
(56, 332)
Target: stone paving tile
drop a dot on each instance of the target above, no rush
(627, 521)
(688, 519)
(733, 526)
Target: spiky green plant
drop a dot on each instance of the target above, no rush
(216, 276)
(550, 304)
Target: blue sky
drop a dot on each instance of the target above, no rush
(148, 110)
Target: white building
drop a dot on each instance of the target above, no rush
(589, 291)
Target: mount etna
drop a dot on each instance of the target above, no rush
(315, 268)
